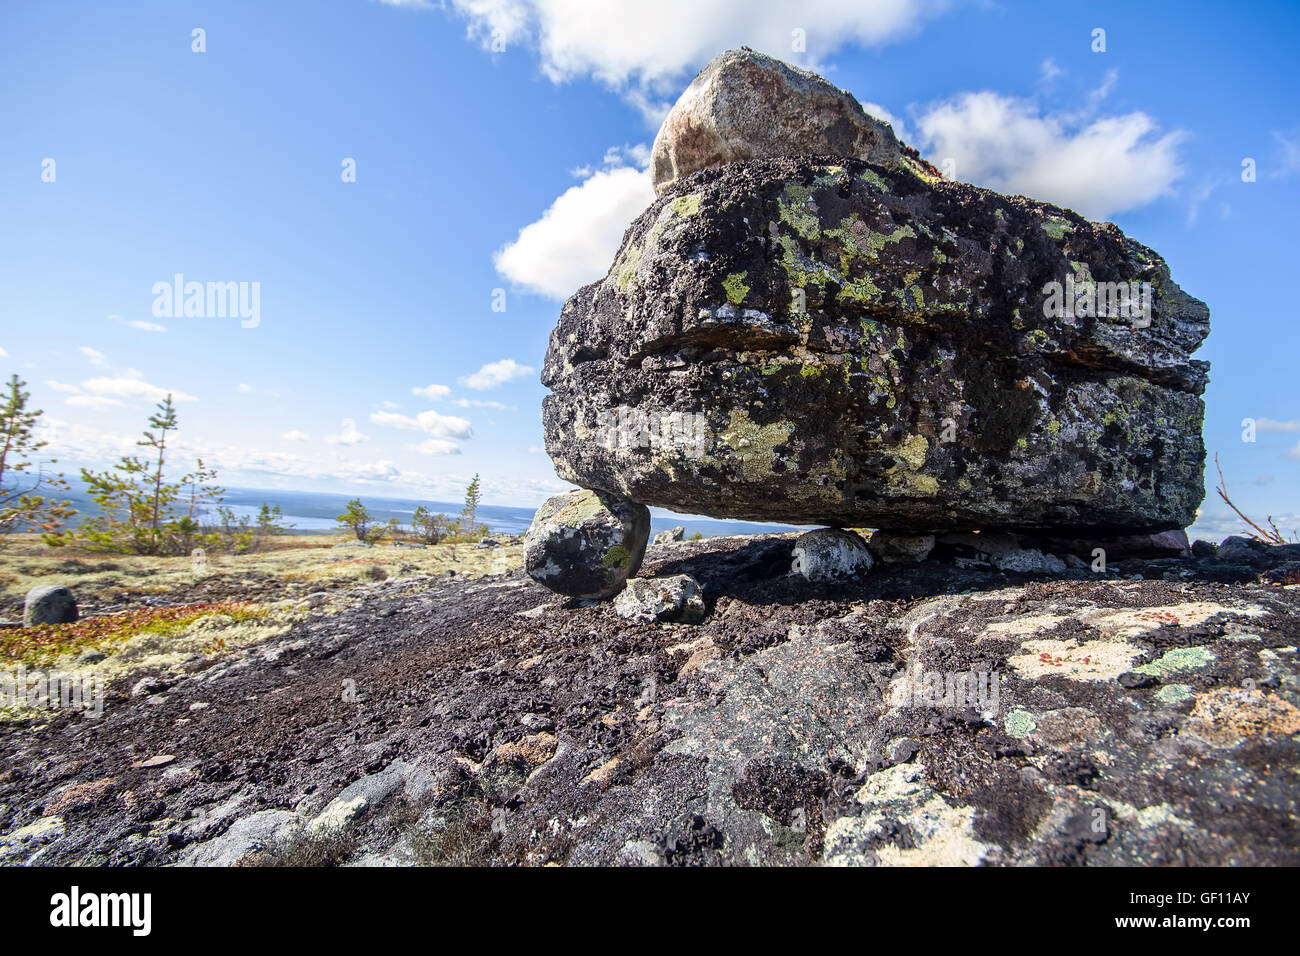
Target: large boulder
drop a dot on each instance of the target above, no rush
(586, 544)
(49, 604)
(827, 341)
(745, 105)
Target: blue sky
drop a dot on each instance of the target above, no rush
(518, 168)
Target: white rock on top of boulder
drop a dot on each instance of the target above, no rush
(746, 105)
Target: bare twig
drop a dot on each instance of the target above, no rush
(1268, 537)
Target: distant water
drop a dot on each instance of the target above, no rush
(311, 512)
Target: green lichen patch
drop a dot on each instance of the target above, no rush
(1020, 723)
(686, 206)
(1174, 693)
(1179, 659)
(734, 286)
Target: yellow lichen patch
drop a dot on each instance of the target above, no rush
(686, 205)
(1089, 661)
(1026, 626)
(941, 834)
(1133, 623)
(752, 445)
(906, 476)
(944, 836)
(1230, 715)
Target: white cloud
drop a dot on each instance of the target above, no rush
(93, 356)
(294, 434)
(92, 401)
(1049, 70)
(1288, 155)
(637, 156)
(1273, 425)
(576, 238)
(131, 387)
(245, 388)
(1294, 453)
(431, 391)
(348, 434)
(432, 423)
(480, 403)
(3, 354)
(62, 386)
(1097, 167)
(436, 446)
(647, 50)
(146, 326)
(496, 373)
(879, 112)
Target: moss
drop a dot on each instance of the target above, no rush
(616, 557)
(44, 644)
(1057, 228)
(735, 287)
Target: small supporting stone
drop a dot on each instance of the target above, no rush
(586, 544)
(829, 554)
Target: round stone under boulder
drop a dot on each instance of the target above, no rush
(586, 544)
(828, 554)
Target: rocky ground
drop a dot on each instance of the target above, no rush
(1144, 715)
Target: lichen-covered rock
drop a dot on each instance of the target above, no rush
(828, 554)
(671, 535)
(675, 598)
(745, 105)
(834, 342)
(586, 544)
(1028, 561)
(894, 548)
(49, 604)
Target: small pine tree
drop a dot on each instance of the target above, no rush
(141, 512)
(270, 520)
(358, 520)
(429, 527)
(19, 507)
(467, 527)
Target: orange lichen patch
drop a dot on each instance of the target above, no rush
(1226, 717)
(77, 795)
(533, 750)
(43, 644)
(602, 773)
